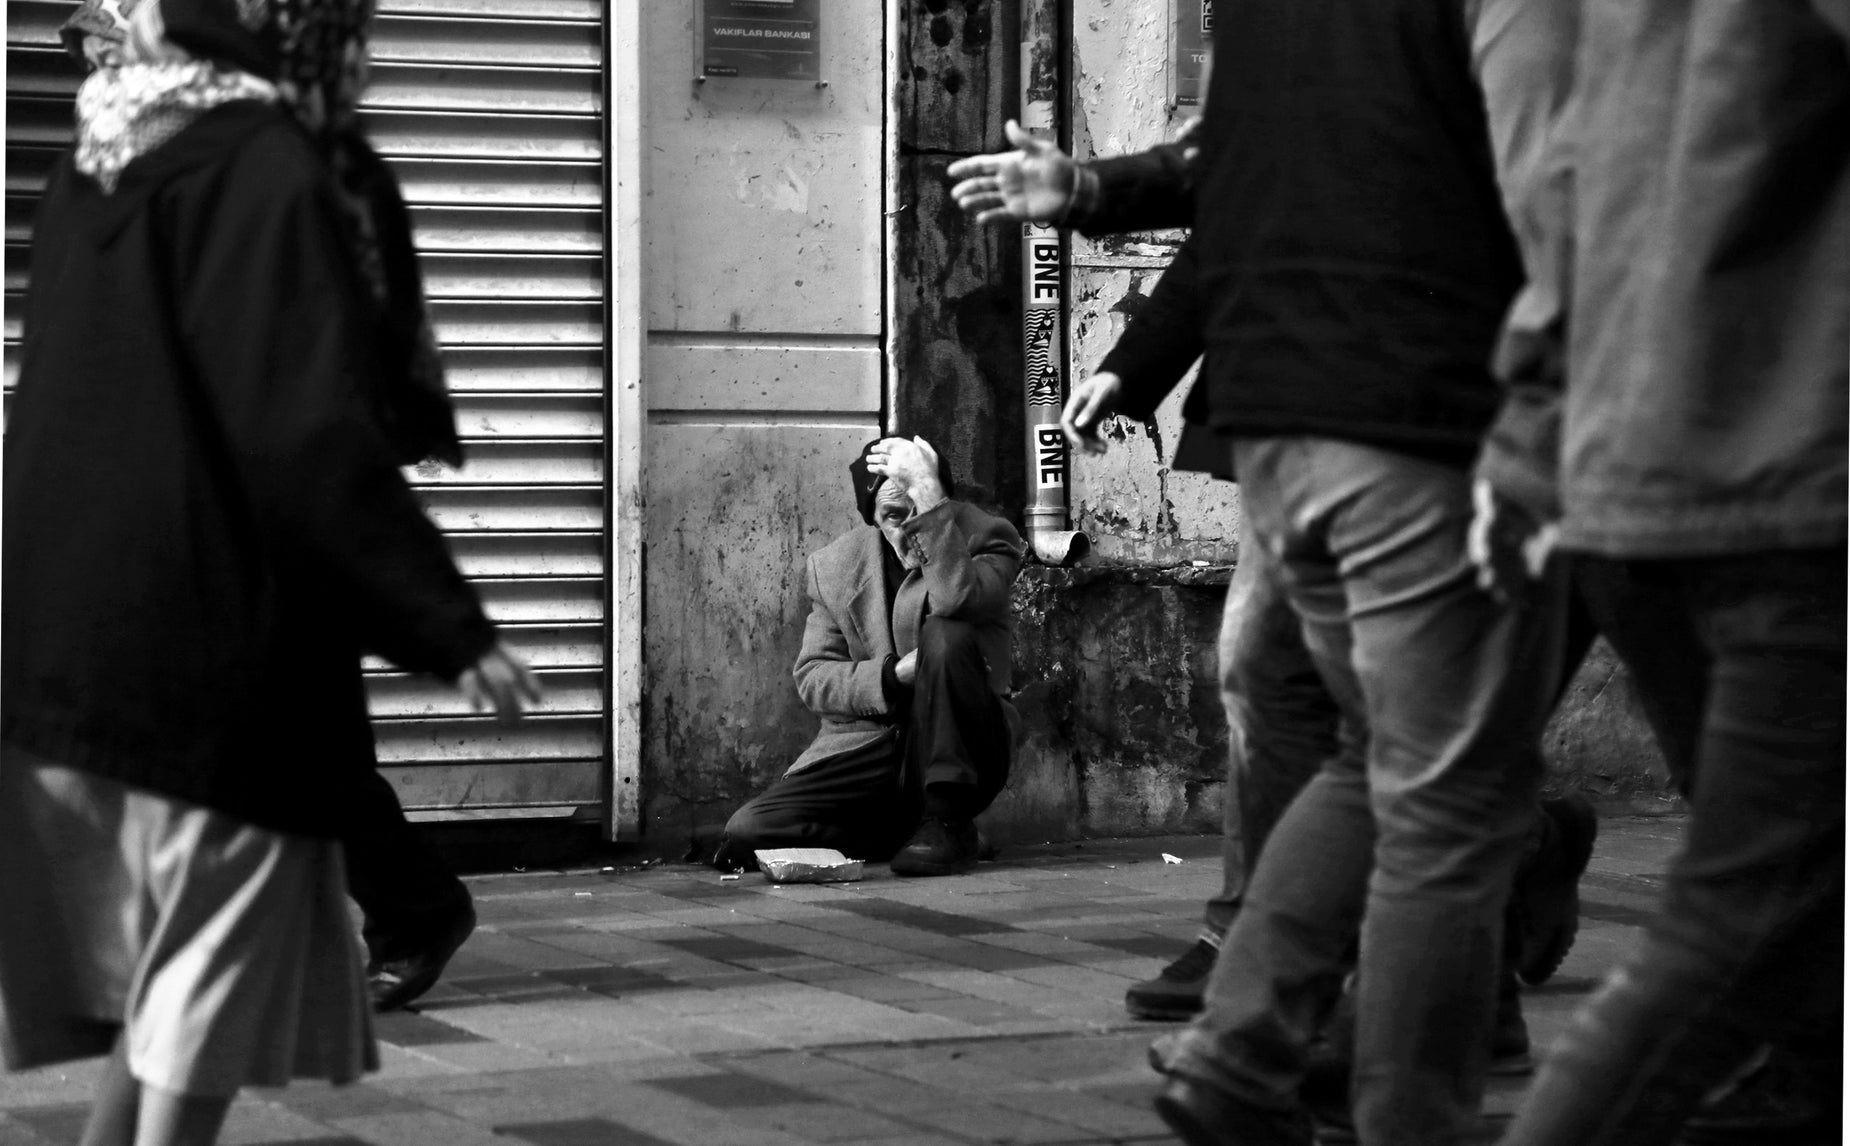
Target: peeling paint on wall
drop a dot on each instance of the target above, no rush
(1134, 508)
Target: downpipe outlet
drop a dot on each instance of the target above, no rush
(1055, 546)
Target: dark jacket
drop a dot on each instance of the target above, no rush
(843, 672)
(1164, 337)
(204, 527)
(1350, 258)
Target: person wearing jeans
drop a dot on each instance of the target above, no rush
(1411, 832)
(1282, 725)
(1348, 326)
(1281, 719)
(1749, 947)
(1676, 429)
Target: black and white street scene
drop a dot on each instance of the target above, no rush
(924, 572)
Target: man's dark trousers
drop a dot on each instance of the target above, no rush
(409, 897)
(948, 756)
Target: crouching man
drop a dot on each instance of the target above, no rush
(906, 661)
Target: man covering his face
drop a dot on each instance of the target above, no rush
(905, 660)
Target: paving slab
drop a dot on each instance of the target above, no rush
(668, 1007)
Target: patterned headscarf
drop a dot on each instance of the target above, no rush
(125, 109)
(95, 33)
(311, 56)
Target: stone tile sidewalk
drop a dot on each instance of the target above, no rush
(669, 1005)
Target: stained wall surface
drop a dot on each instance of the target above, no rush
(763, 280)
(1135, 509)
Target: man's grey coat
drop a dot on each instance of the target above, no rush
(970, 562)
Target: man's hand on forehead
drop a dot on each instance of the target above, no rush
(910, 464)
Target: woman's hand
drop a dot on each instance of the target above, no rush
(501, 681)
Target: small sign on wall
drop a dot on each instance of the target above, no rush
(1188, 51)
(761, 39)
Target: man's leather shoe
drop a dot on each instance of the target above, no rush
(1203, 1116)
(939, 847)
(394, 983)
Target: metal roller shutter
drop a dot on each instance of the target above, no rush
(491, 111)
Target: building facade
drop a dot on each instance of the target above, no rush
(684, 259)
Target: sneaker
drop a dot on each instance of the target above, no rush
(1201, 1115)
(1175, 993)
(939, 847)
(395, 983)
(1545, 903)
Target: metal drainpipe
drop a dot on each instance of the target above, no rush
(1043, 312)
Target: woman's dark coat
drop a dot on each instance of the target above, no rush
(203, 525)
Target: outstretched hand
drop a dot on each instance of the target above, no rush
(912, 465)
(500, 681)
(1032, 184)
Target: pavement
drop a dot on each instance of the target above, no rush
(666, 1005)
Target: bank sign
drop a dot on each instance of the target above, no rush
(762, 39)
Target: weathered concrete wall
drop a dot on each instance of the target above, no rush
(1135, 509)
(955, 344)
(764, 377)
(1120, 705)
(1125, 734)
(765, 279)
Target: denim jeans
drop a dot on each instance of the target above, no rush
(1281, 722)
(1745, 655)
(1409, 832)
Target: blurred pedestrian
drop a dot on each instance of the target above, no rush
(1282, 722)
(205, 525)
(1350, 263)
(1677, 428)
(416, 913)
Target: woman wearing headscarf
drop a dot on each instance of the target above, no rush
(416, 912)
(205, 526)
